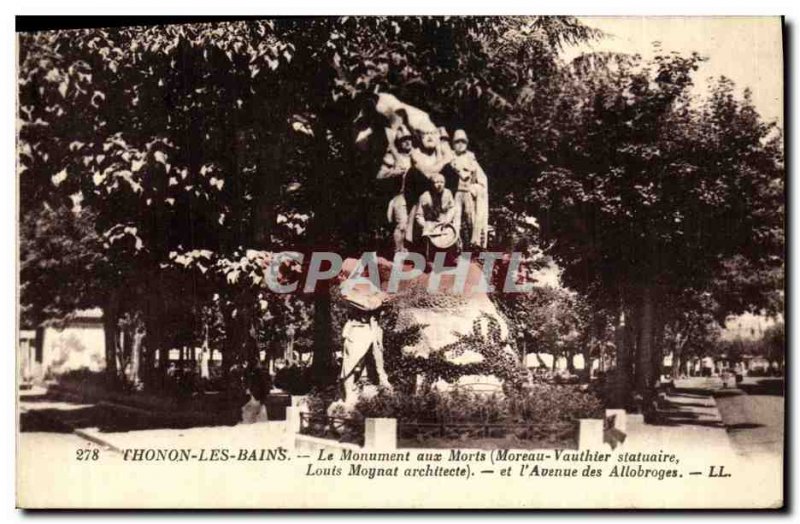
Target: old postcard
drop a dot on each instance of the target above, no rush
(401, 262)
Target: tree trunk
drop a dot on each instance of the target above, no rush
(235, 334)
(322, 365)
(229, 345)
(250, 346)
(122, 351)
(645, 349)
(136, 356)
(676, 362)
(570, 363)
(205, 353)
(110, 317)
(151, 346)
(622, 384)
(658, 344)
(677, 353)
(586, 350)
(323, 369)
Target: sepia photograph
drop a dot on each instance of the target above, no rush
(400, 262)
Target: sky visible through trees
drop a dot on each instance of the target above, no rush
(160, 168)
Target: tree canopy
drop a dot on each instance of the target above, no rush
(160, 167)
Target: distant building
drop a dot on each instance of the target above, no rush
(78, 343)
(712, 366)
(30, 359)
(545, 360)
(757, 363)
(747, 326)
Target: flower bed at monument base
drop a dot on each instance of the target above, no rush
(341, 429)
(545, 416)
(490, 443)
(488, 436)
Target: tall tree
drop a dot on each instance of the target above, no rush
(219, 143)
(649, 193)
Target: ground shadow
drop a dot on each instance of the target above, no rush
(727, 393)
(767, 386)
(35, 397)
(670, 413)
(127, 413)
(669, 404)
(674, 422)
(677, 417)
(743, 425)
(108, 419)
(697, 393)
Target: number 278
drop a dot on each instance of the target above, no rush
(87, 454)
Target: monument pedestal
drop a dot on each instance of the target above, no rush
(460, 330)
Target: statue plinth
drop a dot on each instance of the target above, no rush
(461, 328)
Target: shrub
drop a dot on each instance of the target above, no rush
(543, 403)
(82, 376)
(295, 380)
(552, 403)
(404, 369)
(319, 399)
(319, 425)
(545, 412)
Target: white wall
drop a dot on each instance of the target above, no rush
(532, 362)
(81, 345)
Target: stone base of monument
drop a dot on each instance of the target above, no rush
(253, 411)
(454, 326)
(341, 408)
(482, 384)
(461, 325)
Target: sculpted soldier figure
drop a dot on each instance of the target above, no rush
(428, 160)
(430, 157)
(436, 214)
(430, 154)
(471, 197)
(444, 142)
(362, 333)
(396, 164)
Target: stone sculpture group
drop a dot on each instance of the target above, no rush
(437, 185)
(439, 202)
